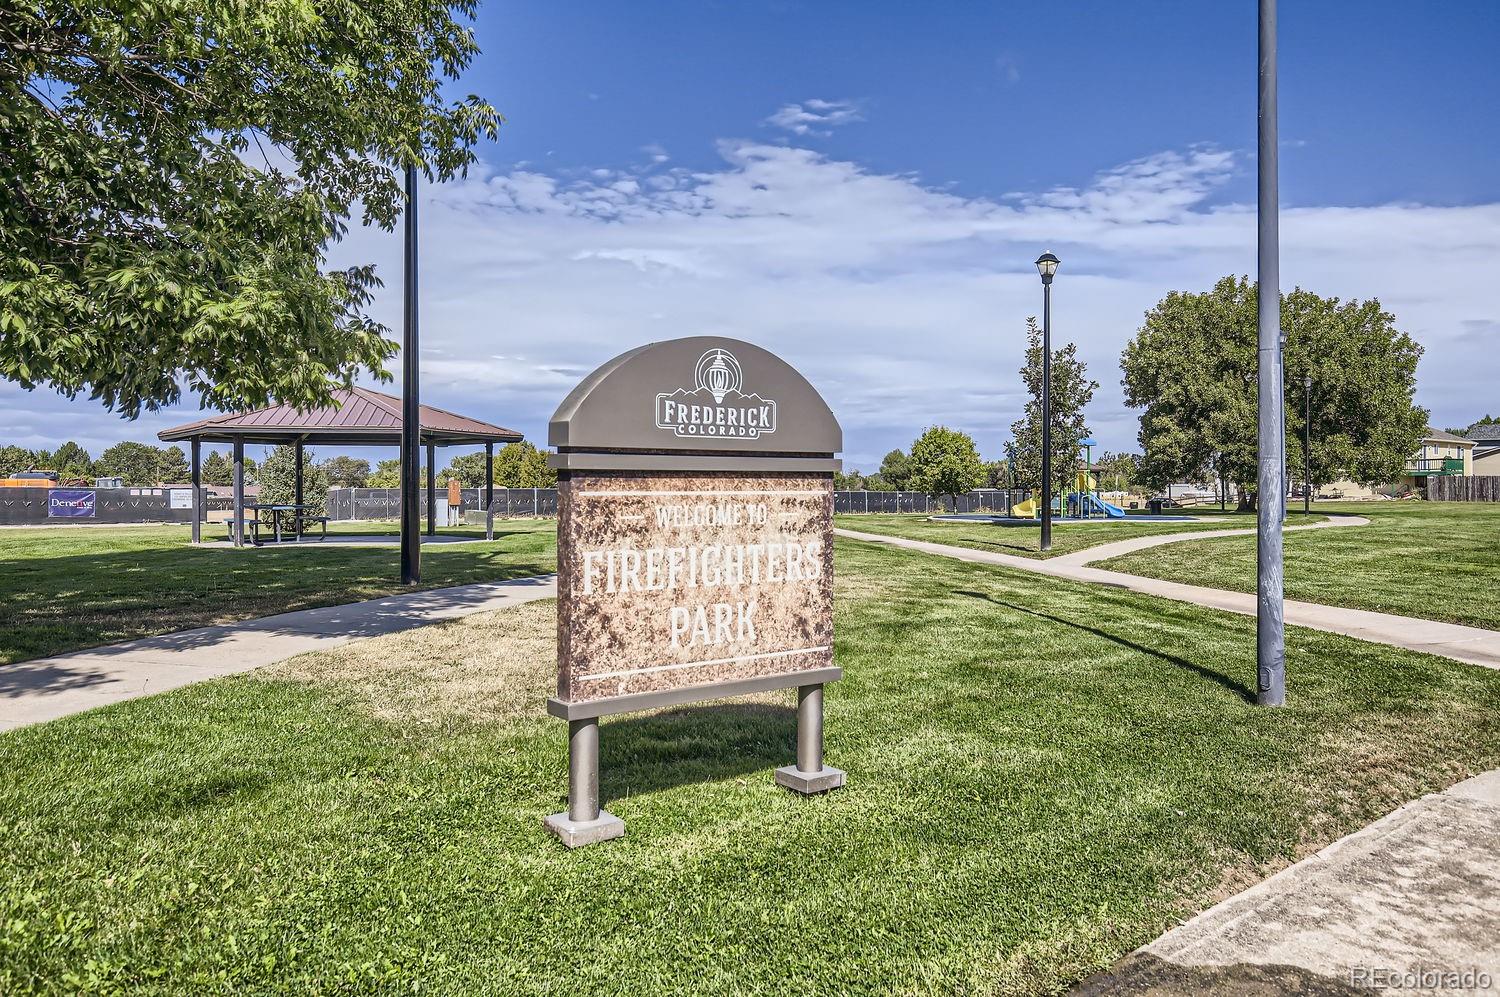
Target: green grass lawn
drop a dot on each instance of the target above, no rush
(1435, 560)
(65, 588)
(1026, 540)
(1041, 776)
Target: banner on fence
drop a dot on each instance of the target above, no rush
(70, 503)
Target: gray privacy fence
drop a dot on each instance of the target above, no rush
(385, 503)
(122, 506)
(978, 500)
(1464, 488)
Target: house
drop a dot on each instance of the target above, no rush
(1486, 449)
(1440, 453)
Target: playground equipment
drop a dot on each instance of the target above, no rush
(1024, 510)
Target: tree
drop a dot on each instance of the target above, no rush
(945, 462)
(1488, 420)
(997, 474)
(278, 485)
(174, 467)
(521, 465)
(346, 472)
(218, 470)
(72, 461)
(14, 459)
(848, 481)
(468, 469)
(1070, 393)
(173, 173)
(895, 470)
(387, 474)
(1192, 369)
(137, 463)
(1118, 471)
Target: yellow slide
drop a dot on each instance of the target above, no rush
(1025, 510)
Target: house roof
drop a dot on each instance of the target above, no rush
(1445, 437)
(358, 417)
(1485, 434)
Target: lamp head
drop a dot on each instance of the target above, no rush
(1046, 265)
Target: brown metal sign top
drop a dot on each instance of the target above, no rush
(702, 393)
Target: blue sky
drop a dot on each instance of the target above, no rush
(863, 187)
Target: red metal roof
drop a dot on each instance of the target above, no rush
(359, 415)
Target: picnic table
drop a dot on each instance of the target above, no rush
(298, 514)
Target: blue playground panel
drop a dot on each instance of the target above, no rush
(999, 520)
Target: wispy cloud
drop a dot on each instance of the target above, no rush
(814, 117)
(904, 303)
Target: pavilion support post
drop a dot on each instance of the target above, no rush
(197, 449)
(489, 490)
(297, 489)
(239, 493)
(431, 489)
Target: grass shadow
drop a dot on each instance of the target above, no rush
(1242, 691)
(643, 754)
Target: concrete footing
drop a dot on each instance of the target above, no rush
(577, 833)
(809, 783)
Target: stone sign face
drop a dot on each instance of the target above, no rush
(675, 580)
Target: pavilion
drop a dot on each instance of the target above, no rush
(359, 417)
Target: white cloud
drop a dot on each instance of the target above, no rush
(814, 117)
(903, 303)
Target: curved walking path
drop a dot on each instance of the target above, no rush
(1471, 645)
(48, 688)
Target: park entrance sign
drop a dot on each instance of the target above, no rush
(695, 556)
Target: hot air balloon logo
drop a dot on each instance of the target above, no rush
(718, 373)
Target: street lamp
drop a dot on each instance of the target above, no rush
(1307, 444)
(1046, 265)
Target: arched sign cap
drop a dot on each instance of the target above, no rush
(700, 403)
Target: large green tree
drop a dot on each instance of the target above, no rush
(1192, 369)
(945, 462)
(14, 459)
(172, 172)
(895, 471)
(72, 461)
(138, 463)
(346, 472)
(278, 482)
(1071, 391)
(218, 470)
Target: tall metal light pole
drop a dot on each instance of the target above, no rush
(1046, 265)
(1270, 626)
(1307, 445)
(411, 406)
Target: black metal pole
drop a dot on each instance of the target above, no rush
(197, 490)
(1270, 629)
(411, 406)
(431, 488)
(297, 490)
(1307, 447)
(489, 490)
(1046, 412)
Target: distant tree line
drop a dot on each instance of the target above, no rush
(517, 465)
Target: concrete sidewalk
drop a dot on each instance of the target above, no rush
(1451, 640)
(1416, 893)
(47, 688)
